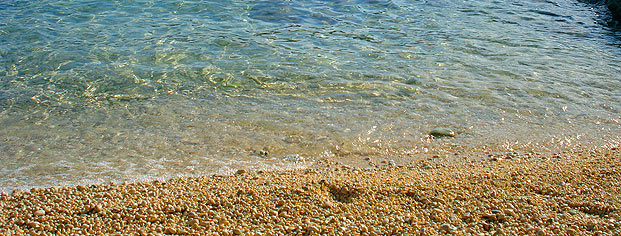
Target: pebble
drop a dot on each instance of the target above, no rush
(489, 216)
(447, 227)
(171, 231)
(17, 192)
(98, 208)
(363, 228)
(442, 132)
(39, 212)
(509, 212)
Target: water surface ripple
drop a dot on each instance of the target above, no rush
(94, 91)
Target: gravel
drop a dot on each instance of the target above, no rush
(577, 193)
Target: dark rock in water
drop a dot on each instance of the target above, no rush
(276, 13)
(287, 12)
(441, 132)
(615, 8)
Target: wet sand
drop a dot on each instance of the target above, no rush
(575, 192)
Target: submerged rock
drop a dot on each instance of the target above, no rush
(283, 12)
(442, 132)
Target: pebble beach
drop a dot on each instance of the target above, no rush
(310, 117)
(572, 192)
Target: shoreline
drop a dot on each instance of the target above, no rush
(574, 192)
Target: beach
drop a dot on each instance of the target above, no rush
(310, 117)
(572, 192)
(98, 91)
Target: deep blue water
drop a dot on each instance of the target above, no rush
(94, 91)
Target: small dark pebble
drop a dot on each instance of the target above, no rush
(441, 132)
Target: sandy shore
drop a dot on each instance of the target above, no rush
(570, 193)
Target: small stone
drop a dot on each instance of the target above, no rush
(195, 224)
(442, 132)
(312, 229)
(17, 193)
(39, 213)
(264, 152)
(447, 227)
(541, 232)
(98, 208)
(33, 224)
(489, 216)
(363, 228)
(240, 172)
(171, 231)
(509, 212)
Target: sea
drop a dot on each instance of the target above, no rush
(95, 91)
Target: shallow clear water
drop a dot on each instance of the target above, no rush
(95, 91)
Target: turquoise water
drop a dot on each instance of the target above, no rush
(98, 91)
